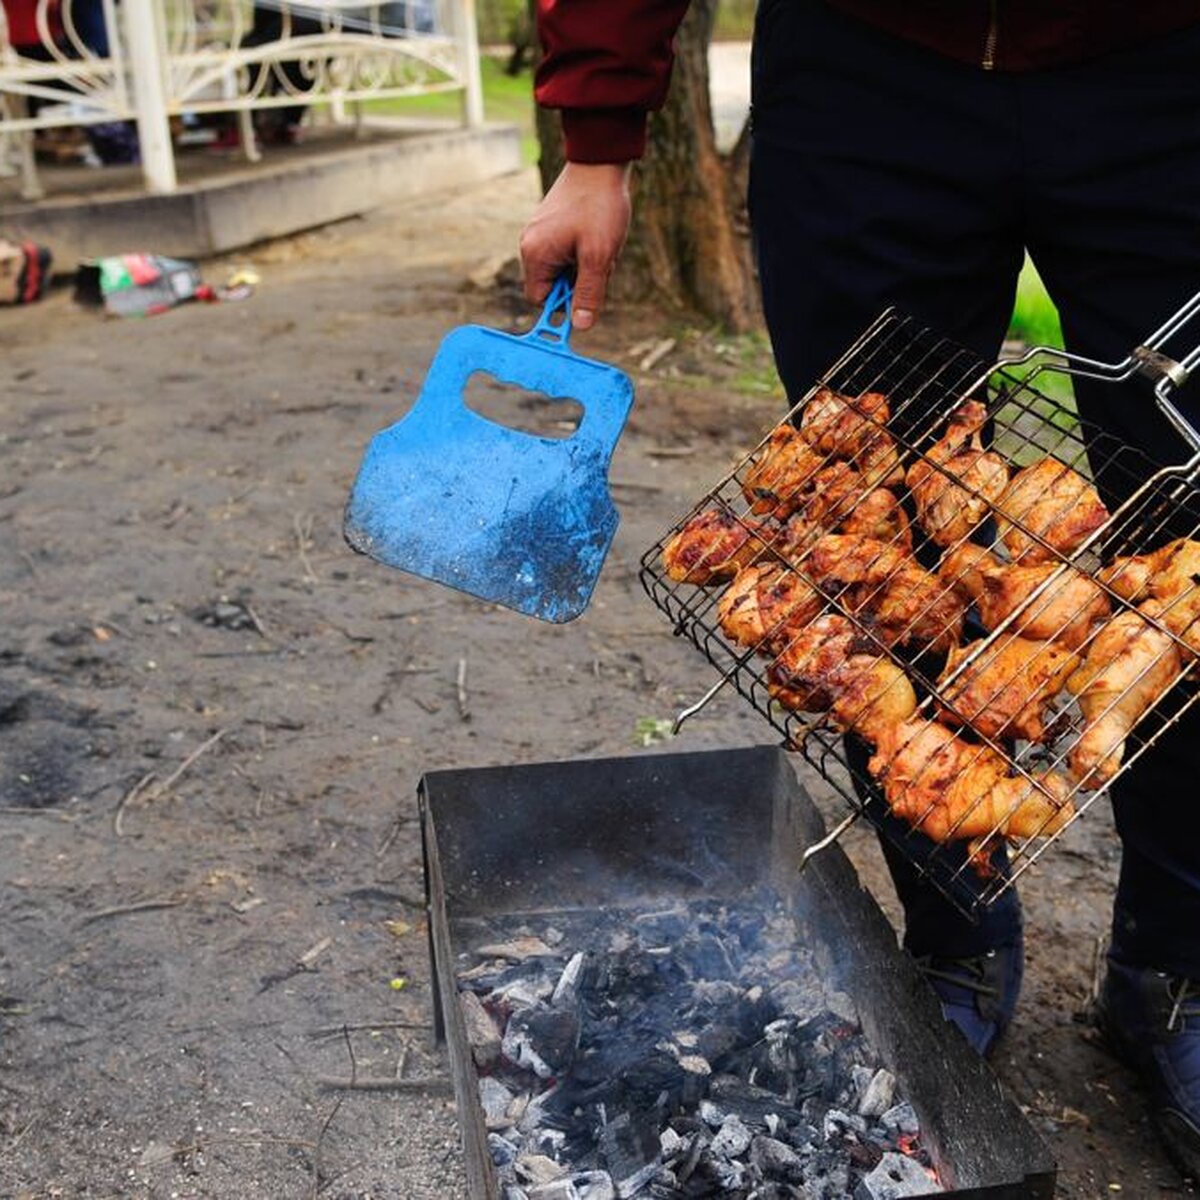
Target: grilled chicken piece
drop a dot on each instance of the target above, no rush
(1169, 575)
(879, 515)
(870, 694)
(838, 559)
(852, 429)
(950, 789)
(1053, 501)
(947, 511)
(1129, 665)
(887, 589)
(766, 605)
(714, 545)
(781, 477)
(799, 678)
(1005, 691)
(825, 668)
(1066, 612)
(916, 608)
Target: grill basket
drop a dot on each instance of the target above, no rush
(1050, 779)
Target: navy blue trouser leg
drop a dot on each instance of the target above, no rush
(882, 175)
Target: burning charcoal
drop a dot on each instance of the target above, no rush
(800, 998)
(901, 1119)
(776, 1160)
(537, 1169)
(630, 1152)
(838, 1124)
(732, 1139)
(876, 1098)
(542, 1040)
(559, 1189)
(518, 949)
(566, 990)
(525, 992)
(728, 1093)
(662, 928)
(707, 956)
(896, 1176)
(842, 1007)
(482, 1033)
(494, 1099)
(594, 1185)
(503, 1152)
(716, 993)
(731, 1175)
(670, 1142)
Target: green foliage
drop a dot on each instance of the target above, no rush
(507, 98)
(735, 21)
(1035, 319)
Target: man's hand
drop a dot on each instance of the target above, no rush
(582, 222)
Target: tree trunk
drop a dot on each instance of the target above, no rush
(688, 246)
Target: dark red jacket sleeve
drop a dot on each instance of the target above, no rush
(605, 64)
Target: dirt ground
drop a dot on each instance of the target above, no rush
(213, 717)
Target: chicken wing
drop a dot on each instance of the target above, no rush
(951, 789)
(799, 678)
(1005, 691)
(870, 694)
(1066, 612)
(853, 430)
(1170, 575)
(1053, 501)
(766, 605)
(781, 476)
(826, 667)
(714, 545)
(957, 482)
(915, 608)
(1129, 666)
(901, 602)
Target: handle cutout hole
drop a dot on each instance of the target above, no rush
(525, 411)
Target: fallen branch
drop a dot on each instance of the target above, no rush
(128, 799)
(124, 909)
(464, 711)
(436, 1085)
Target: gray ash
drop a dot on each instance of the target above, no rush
(687, 1052)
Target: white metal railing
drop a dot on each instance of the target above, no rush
(86, 62)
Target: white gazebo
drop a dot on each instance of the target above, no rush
(88, 62)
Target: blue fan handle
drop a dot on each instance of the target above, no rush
(559, 301)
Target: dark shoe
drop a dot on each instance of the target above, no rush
(1152, 1021)
(979, 994)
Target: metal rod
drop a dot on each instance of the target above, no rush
(828, 840)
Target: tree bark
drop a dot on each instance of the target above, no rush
(688, 245)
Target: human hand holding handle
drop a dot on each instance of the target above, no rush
(581, 222)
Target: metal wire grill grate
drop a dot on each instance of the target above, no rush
(926, 592)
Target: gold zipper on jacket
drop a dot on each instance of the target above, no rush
(989, 46)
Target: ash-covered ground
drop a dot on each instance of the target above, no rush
(213, 718)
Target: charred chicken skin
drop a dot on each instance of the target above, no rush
(766, 605)
(1005, 691)
(1066, 612)
(888, 590)
(781, 477)
(852, 430)
(714, 545)
(953, 500)
(828, 667)
(951, 789)
(799, 678)
(1052, 501)
(1129, 666)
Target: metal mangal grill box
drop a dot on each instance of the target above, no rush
(569, 836)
